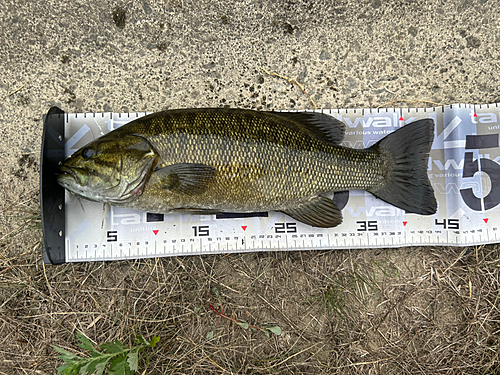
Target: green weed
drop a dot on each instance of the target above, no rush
(113, 359)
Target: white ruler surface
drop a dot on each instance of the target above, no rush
(463, 168)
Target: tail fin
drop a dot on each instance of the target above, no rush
(407, 186)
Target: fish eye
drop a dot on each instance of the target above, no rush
(88, 153)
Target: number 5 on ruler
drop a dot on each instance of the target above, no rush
(484, 165)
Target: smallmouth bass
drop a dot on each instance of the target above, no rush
(207, 161)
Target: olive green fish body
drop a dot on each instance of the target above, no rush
(233, 160)
(261, 162)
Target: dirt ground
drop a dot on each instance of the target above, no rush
(414, 310)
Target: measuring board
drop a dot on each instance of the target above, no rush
(464, 169)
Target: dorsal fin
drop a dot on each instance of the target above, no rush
(321, 126)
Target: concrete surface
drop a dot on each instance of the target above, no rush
(93, 56)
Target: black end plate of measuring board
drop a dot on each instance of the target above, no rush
(51, 193)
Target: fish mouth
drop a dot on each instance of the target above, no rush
(65, 175)
(69, 175)
(65, 171)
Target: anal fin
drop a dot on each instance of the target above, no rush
(318, 212)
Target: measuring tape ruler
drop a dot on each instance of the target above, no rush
(464, 169)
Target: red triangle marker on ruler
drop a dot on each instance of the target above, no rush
(401, 118)
(244, 227)
(155, 231)
(404, 223)
(475, 114)
(486, 220)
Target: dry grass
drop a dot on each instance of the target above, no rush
(424, 310)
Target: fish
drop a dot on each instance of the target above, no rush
(216, 160)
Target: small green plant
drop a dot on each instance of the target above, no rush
(333, 299)
(113, 359)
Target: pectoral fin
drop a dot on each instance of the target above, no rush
(187, 178)
(318, 212)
